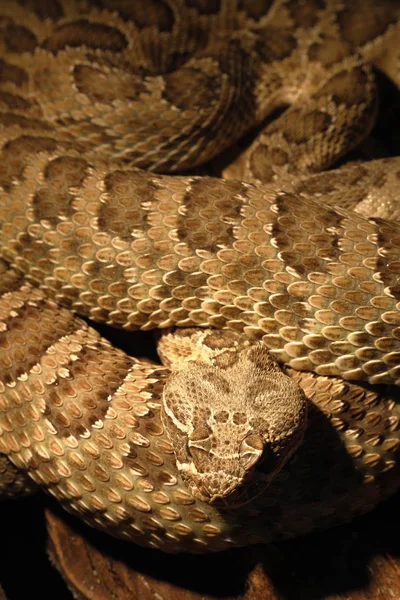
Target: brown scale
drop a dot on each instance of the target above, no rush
(120, 474)
(87, 95)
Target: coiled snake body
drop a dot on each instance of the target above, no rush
(283, 264)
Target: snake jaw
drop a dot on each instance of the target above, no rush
(234, 481)
(209, 487)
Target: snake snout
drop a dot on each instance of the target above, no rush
(216, 487)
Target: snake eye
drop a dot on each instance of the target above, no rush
(199, 441)
(251, 450)
(200, 432)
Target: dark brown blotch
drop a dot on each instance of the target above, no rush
(212, 211)
(332, 181)
(305, 14)
(10, 279)
(376, 19)
(275, 44)
(34, 324)
(10, 119)
(9, 72)
(264, 158)
(241, 68)
(299, 127)
(88, 34)
(15, 153)
(123, 210)
(255, 9)
(346, 87)
(106, 86)
(15, 102)
(329, 51)
(44, 9)
(151, 13)
(205, 7)
(283, 234)
(71, 171)
(96, 357)
(19, 39)
(190, 88)
(54, 200)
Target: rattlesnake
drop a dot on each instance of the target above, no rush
(97, 102)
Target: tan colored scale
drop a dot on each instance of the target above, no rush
(306, 285)
(99, 104)
(91, 434)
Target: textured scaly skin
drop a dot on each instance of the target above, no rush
(318, 285)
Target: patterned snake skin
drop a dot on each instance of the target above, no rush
(218, 447)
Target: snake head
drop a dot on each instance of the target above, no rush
(233, 420)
